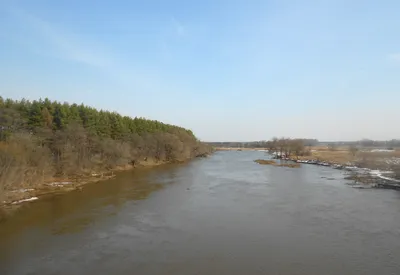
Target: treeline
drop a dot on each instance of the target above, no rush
(394, 143)
(228, 144)
(256, 144)
(42, 138)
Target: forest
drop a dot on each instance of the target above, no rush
(44, 139)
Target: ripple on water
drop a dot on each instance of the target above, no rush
(218, 215)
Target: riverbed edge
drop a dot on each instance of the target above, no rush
(367, 177)
(48, 188)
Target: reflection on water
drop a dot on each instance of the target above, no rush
(73, 211)
(221, 215)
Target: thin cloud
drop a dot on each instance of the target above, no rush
(64, 45)
(61, 44)
(394, 57)
(179, 27)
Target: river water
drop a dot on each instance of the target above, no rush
(220, 215)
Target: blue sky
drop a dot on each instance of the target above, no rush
(228, 69)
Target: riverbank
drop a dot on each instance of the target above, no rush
(46, 146)
(362, 177)
(14, 199)
(376, 173)
(365, 167)
(225, 208)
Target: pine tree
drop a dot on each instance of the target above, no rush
(74, 114)
(103, 124)
(59, 117)
(35, 115)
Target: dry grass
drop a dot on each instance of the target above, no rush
(337, 156)
(394, 154)
(343, 156)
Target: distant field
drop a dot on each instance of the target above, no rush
(237, 148)
(364, 157)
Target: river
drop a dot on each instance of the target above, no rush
(220, 215)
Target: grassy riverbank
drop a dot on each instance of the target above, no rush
(362, 157)
(377, 167)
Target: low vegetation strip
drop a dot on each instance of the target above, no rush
(365, 164)
(274, 163)
(42, 141)
(265, 162)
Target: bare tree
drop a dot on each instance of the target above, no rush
(23, 162)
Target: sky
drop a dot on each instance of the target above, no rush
(230, 70)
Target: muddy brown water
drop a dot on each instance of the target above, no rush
(220, 215)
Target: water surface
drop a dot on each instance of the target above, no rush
(220, 215)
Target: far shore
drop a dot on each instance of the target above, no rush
(373, 167)
(239, 149)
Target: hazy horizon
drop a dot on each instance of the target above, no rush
(320, 141)
(227, 70)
